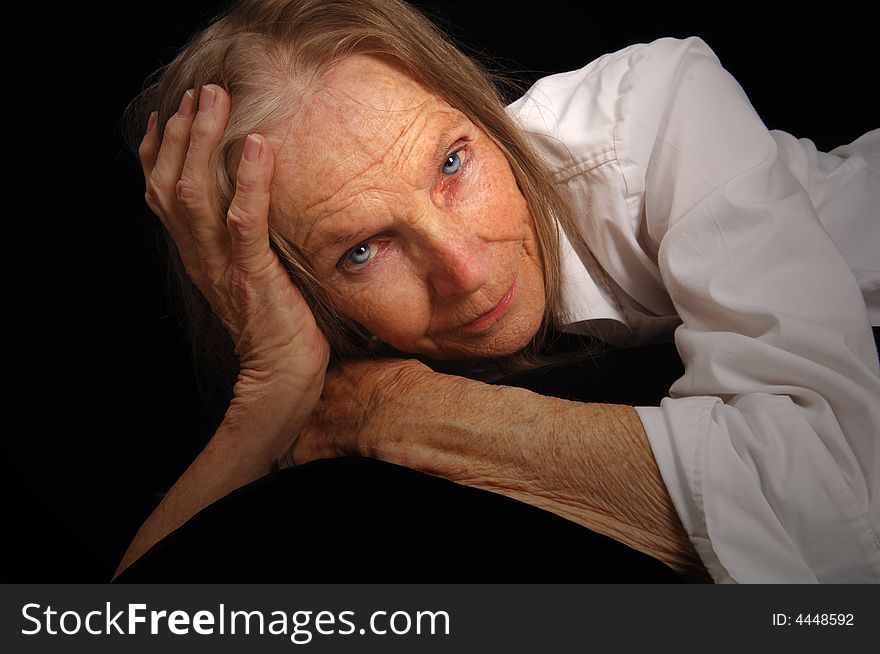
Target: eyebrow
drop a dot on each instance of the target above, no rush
(342, 239)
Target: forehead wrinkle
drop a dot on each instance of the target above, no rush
(388, 154)
(371, 201)
(373, 119)
(405, 147)
(358, 146)
(287, 199)
(363, 185)
(362, 191)
(322, 217)
(369, 117)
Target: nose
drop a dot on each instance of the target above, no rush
(459, 260)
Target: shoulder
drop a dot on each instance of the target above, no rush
(585, 113)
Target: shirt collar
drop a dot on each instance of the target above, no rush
(586, 295)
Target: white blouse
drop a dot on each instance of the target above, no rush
(760, 256)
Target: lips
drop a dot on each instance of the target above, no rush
(493, 315)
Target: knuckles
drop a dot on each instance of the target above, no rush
(238, 216)
(189, 194)
(177, 129)
(247, 185)
(202, 128)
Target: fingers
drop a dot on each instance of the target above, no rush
(205, 134)
(248, 216)
(174, 146)
(179, 177)
(195, 188)
(162, 170)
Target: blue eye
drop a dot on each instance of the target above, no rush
(361, 254)
(452, 164)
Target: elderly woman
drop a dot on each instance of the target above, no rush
(340, 181)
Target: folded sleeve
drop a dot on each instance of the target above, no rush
(768, 443)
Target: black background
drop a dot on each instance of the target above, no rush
(101, 412)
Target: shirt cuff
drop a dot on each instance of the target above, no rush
(677, 460)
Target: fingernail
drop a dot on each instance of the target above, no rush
(206, 98)
(151, 121)
(186, 105)
(252, 148)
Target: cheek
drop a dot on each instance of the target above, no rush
(395, 309)
(492, 198)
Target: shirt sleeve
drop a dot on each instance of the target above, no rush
(768, 443)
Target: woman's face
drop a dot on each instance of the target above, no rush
(410, 215)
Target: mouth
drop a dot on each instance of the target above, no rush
(492, 316)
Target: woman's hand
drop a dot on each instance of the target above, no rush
(227, 253)
(589, 463)
(283, 355)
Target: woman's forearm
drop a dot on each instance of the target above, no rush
(590, 463)
(229, 460)
(617, 472)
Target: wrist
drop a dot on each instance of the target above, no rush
(263, 420)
